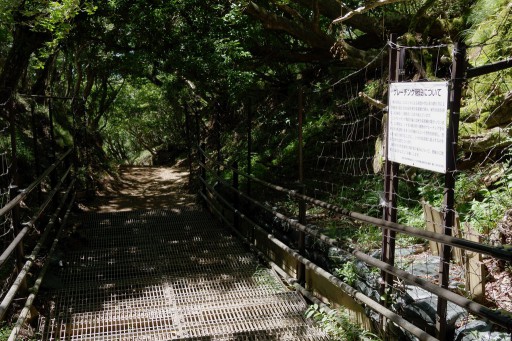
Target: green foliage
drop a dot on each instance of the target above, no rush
(5, 331)
(374, 88)
(258, 169)
(430, 193)
(358, 235)
(6, 19)
(411, 216)
(368, 237)
(140, 119)
(348, 273)
(337, 325)
(54, 17)
(366, 200)
(490, 206)
(480, 205)
(487, 18)
(25, 149)
(491, 27)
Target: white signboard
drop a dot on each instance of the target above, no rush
(417, 124)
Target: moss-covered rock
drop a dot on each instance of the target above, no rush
(487, 108)
(489, 139)
(501, 115)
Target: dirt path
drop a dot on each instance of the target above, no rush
(148, 188)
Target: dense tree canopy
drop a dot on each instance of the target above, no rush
(136, 72)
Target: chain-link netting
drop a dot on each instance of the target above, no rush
(344, 159)
(485, 178)
(6, 231)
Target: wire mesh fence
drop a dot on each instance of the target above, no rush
(485, 195)
(26, 149)
(7, 273)
(345, 159)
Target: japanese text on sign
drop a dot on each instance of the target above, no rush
(417, 124)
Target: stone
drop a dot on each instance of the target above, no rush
(405, 251)
(423, 314)
(367, 290)
(493, 138)
(502, 115)
(427, 269)
(474, 331)
(416, 293)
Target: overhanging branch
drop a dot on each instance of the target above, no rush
(373, 102)
(364, 9)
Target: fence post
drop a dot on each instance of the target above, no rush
(457, 80)
(301, 268)
(390, 190)
(37, 163)
(189, 147)
(54, 178)
(202, 159)
(249, 145)
(236, 196)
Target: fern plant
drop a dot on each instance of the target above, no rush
(337, 324)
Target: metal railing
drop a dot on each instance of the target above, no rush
(232, 203)
(59, 197)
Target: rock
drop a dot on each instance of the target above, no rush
(366, 289)
(405, 251)
(335, 252)
(428, 269)
(501, 116)
(415, 293)
(492, 138)
(376, 254)
(422, 313)
(475, 331)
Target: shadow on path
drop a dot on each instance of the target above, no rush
(152, 266)
(141, 188)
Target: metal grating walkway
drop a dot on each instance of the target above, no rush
(169, 275)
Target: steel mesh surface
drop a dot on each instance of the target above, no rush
(168, 275)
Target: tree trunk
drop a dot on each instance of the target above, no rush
(41, 85)
(25, 43)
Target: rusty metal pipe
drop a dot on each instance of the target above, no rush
(422, 335)
(11, 204)
(19, 237)
(35, 289)
(496, 252)
(6, 302)
(471, 306)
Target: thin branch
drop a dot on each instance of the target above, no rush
(372, 101)
(289, 10)
(364, 9)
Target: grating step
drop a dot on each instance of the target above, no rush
(165, 237)
(147, 251)
(169, 275)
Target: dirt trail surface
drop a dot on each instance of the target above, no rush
(140, 188)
